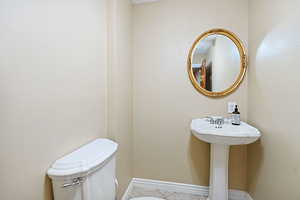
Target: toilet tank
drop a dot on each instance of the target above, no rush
(88, 173)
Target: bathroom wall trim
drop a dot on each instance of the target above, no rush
(142, 1)
(180, 187)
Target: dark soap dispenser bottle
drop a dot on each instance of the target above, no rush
(236, 120)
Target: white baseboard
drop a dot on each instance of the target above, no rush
(142, 1)
(180, 187)
(128, 191)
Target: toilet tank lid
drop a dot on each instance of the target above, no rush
(84, 159)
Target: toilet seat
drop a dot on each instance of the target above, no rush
(146, 198)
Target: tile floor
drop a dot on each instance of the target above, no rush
(144, 192)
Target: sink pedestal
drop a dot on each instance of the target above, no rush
(219, 156)
(221, 139)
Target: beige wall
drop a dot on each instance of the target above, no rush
(53, 78)
(120, 87)
(164, 100)
(274, 164)
(65, 74)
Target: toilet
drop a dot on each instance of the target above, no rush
(88, 173)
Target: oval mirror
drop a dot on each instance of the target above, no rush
(217, 63)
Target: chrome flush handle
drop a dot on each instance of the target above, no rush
(75, 181)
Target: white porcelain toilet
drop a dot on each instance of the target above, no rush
(87, 173)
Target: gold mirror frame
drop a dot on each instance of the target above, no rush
(243, 63)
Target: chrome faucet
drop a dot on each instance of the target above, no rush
(218, 122)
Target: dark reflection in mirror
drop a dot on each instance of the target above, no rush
(203, 75)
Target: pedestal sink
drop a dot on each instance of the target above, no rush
(220, 140)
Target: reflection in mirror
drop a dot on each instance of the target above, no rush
(215, 63)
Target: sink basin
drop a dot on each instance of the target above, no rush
(228, 134)
(220, 140)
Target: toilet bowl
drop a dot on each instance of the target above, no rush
(146, 198)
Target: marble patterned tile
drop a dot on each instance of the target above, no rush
(185, 196)
(167, 195)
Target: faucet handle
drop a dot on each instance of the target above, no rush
(219, 122)
(210, 120)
